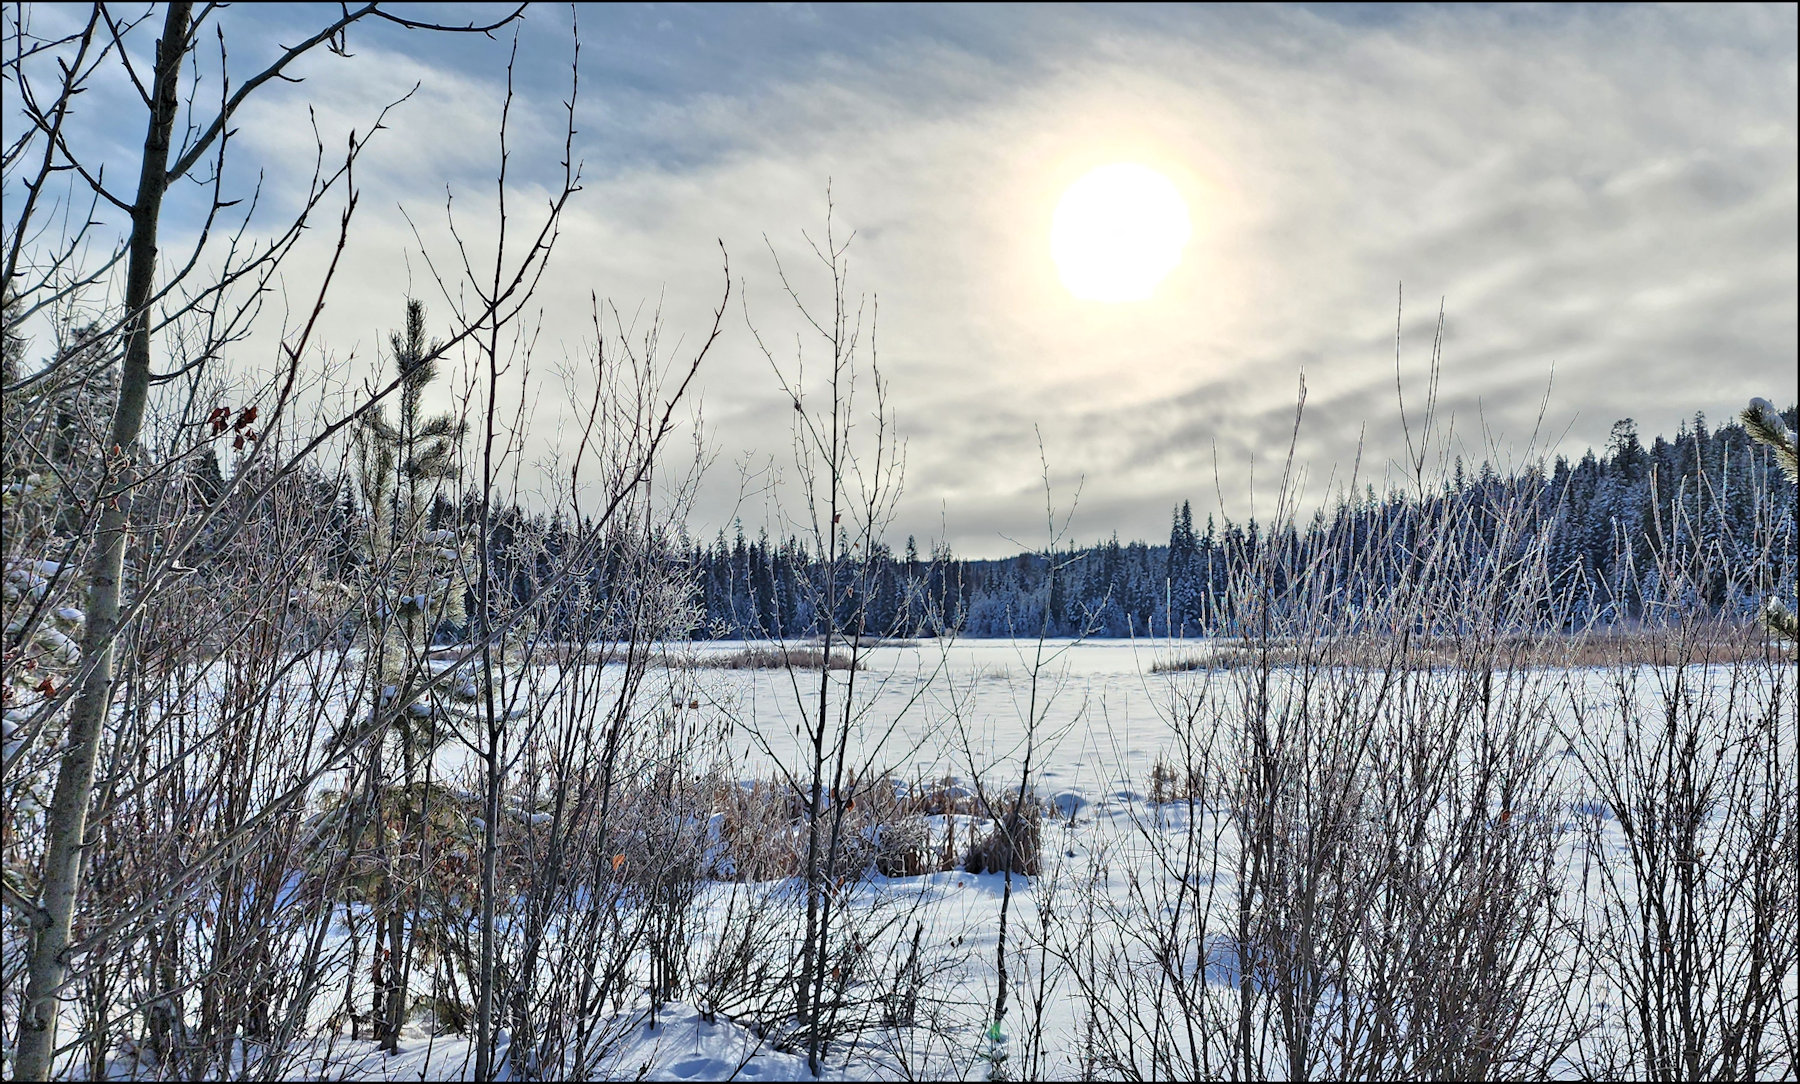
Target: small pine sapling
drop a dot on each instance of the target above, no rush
(416, 572)
(417, 569)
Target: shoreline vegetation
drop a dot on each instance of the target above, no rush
(770, 656)
(1724, 643)
(774, 657)
(1721, 642)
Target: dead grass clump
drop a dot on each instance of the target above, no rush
(775, 658)
(904, 841)
(1671, 646)
(1173, 782)
(971, 840)
(557, 652)
(903, 849)
(867, 641)
(1012, 843)
(944, 797)
(1228, 656)
(758, 830)
(749, 658)
(761, 831)
(886, 828)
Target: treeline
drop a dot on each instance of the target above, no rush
(1709, 499)
(1709, 502)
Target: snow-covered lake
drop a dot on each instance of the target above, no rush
(1134, 902)
(938, 708)
(1098, 718)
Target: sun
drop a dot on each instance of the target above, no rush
(1118, 232)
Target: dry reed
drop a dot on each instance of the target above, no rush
(1667, 646)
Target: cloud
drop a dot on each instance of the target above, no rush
(1607, 192)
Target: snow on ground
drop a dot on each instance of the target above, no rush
(932, 711)
(680, 1046)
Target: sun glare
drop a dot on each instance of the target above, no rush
(1117, 232)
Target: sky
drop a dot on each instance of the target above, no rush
(1603, 200)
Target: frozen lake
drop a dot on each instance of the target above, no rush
(942, 707)
(1125, 880)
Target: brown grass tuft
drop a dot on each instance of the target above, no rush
(887, 828)
(1173, 782)
(773, 658)
(1018, 850)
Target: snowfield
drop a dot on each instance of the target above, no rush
(1133, 906)
(1125, 941)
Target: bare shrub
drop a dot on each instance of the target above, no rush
(1354, 846)
(189, 896)
(945, 796)
(1690, 817)
(1465, 845)
(757, 830)
(742, 969)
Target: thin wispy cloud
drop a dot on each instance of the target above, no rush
(1607, 192)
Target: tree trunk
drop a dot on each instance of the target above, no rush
(393, 1004)
(67, 822)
